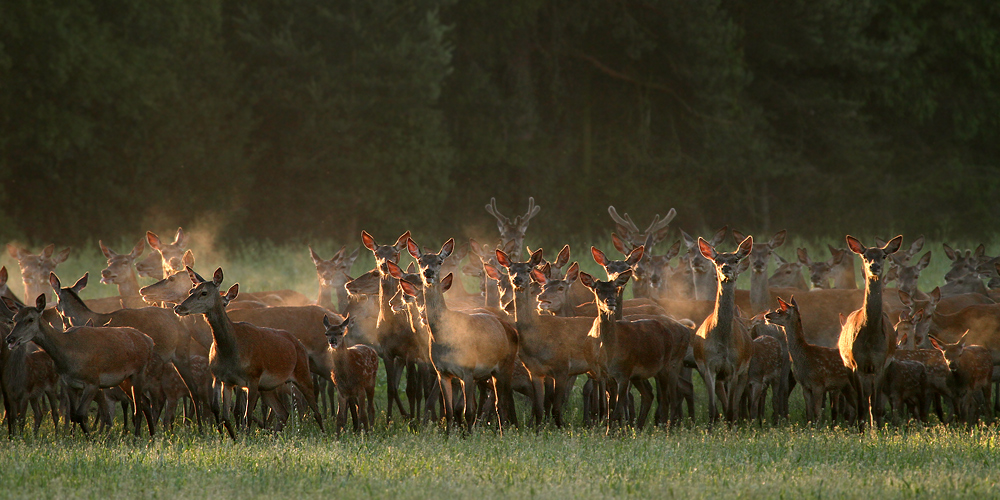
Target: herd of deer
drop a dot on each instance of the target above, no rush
(533, 329)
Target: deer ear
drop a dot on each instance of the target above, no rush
(924, 261)
(9, 304)
(315, 256)
(217, 277)
(138, 249)
(706, 249)
(782, 305)
(3, 275)
(803, 255)
(536, 258)
(193, 275)
(393, 270)
(326, 322)
(618, 244)
(538, 276)
(153, 240)
(401, 241)
(40, 302)
(492, 272)
(794, 304)
(778, 239)
(599, 257)
(743, 266)
(746, 246)
(563, 257)
(413, 248)
(13, 251)
(623, 278)
(188, 258)
(408, 288)
(934, 342)
(587, 280)
(410, 269)
(180, 239)
(81, 283)
(935, 294)
(368, 240)
(855, 245)
(572, 273)
(108, 253)
(893, 245)
(503, 259)
(635, 256)
(233, 292)
(904, 298)
(62, 255)
(54, 282)
(446, 282)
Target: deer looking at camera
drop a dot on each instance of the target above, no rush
(512, 232)
(333, 274)
(35, 269)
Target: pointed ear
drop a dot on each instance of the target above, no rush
(674, 250)
(782, 305)
(393, 270)
(447, 248)
(347, 320)
(778, 239)
(408, 288)
(54, 282)
(326, 322)
(706, 249)
(793, 303)
(9, 305)
(855, 245)
(138, 249)
(587, 280)
(492, 272)
(803, 255)
(108, 253)
(3, 275)
(315, 257)
(563, 257)
(40, 302)
(893, 245)
(233, 292)
(572, 273)
(619, 244)
(538, 276)
(980, 251)
(738, 236)
(13, 251)
(446, 282)
(745, 247)
(599, 257)
(949, 252)
(503, 259)
(80, 283)
(217, 277)
(47, 251)
(720, 235)
(536, 258)
(689, 240)
(934, 342)
(195, 278)
(924, 261)
(412, 268)
(368, 240)
(153, 240)
(62, 255)
(401, 241)
(180, 238)
(349, 261)
(935, 294)
(413, 248)
(636, 255)
(743, 266)
(188, 259)
(623, 278)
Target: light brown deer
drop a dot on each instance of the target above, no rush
(760, 260)
(354, 371)
(907, 276)
(171, 254)
(971, 369)
(121, 272)
(819, 370)
(723, 353)
(867, 339)
(90, 358)
(553, 349)
(512, 232)
(962, 263)
(333, 274)
(466, 347)
(703, 276)
(35, 269)
(243, 355)
(767, 364)
(787, 275)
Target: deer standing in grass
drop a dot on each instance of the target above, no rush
(27, 375)
(333, 274)
(90, 358)
(723, 354)
(35, 269)
(464, 347)
(243, 355)
(867, 339)
(354, 371)
(819, 370)
(971, 369)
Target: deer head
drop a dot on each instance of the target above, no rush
(512, 232)
(172, 254)
(35, 269)
(205, 296)
(873, 258)
(120, 266)
(654, 233)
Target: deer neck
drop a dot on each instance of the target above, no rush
(76, 310)
(492, 293)
(435, 308)
(845, 275)
(872, 306)
(796, 341)
(725, 310)
(759, 293)
(223, 330)
(386, 288)
(129, 289)
(56, 344)
(607, 328)
(325, 298)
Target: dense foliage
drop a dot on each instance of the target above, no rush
(288, 119)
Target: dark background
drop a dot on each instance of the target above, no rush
(292, 119)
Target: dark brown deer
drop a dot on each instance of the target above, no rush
(333, 274)
(867, 339)
(90, 358)
(553, 349)
(723, 353)
(819, 370)
(35, 269)
(512, 232)
(972, 369)
(463, 347)
(171, 254)
(907, 276)
(787, 275)
(906, 388)
(121, 272)
(655, 232)
(760, 260)
(27, 376)
(4, 289)
(243, 355)
(354, 371)
(703, 276)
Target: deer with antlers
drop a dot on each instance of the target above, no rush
(512, 232)
(243, 355)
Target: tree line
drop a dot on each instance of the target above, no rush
(286, 119)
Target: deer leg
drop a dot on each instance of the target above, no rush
(444, 385)
(538, 399)
(271, 399)
(342, 403)
(223, 395)
(561, 385)
(646, 393)
(82, 407)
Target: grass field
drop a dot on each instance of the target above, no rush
(789, 461)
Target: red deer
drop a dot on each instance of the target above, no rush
(867, 339)
(906, 387)
(121, 272)
(703, 277)
(333, 274)
(512, 232)
(90, 358)
(243, 355)
(972, 369)
(4, 289)
(465, 347)
(171, 254)
(354, 372)
(35, 269)
(760, 259)
(819, 370)
(27, 375)
(787, 275)
(723, 353)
